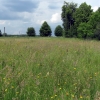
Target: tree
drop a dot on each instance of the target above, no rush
(31, 31)
(97, 31)
(45, 29)
(82, 14)
(0, 33)
(85, 30)
(95, 22)
(58, 31)
(68, 10)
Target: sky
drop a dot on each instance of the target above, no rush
(17, 15)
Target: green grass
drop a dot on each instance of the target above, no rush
(49, 69)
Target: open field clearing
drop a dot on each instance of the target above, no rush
(49, 69)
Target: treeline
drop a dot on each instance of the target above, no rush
(80, 22)
(45, 30)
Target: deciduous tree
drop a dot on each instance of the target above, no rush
(31, 31)
(68, 10)
(58, 31)
(45, 29)
(82, 14)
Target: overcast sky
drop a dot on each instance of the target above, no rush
(18, 15)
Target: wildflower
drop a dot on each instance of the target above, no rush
(72, 95)
(55, 95)
(38, 76)
(51, 97)
(47, 74)
(12, 87)
(75, 84)
(17, 92)
(5, 90)
(67, 93)
(18, 73)
(74, 68)
(81, 97)
(90, 77)
(95, 74)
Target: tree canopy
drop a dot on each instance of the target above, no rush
(31, 31)
(45, 29)
(80, 21)
(58, 31)
(68, 10)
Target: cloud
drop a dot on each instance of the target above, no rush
(95, 8)
(40, 22)
(13, 9)
(55, 18)
(21, 5)
(18, 15)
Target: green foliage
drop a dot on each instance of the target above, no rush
(45, 29)
(68, 10)
(94, 21)
(82, 14)
(31, 31)
(84, 30)
(58, 31)
(97, 31)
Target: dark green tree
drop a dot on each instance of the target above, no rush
(82, 14)
(68, 10)
(0, 33)
(58, 31)
(31, 31)
(45, 29)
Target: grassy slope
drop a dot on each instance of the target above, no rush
(49, 68)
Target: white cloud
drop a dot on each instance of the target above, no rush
(55, 18)
(40, 22)
(20, 17)
(95, 8)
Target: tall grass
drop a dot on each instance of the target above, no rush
(49, 69)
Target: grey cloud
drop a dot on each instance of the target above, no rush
(20, 5)
(10, 9)
(53, 7)
(8, 16)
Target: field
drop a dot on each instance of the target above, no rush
(49, 69)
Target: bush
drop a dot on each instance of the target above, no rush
(58, 31)
(31, 31)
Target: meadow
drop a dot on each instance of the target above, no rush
(49, 69)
